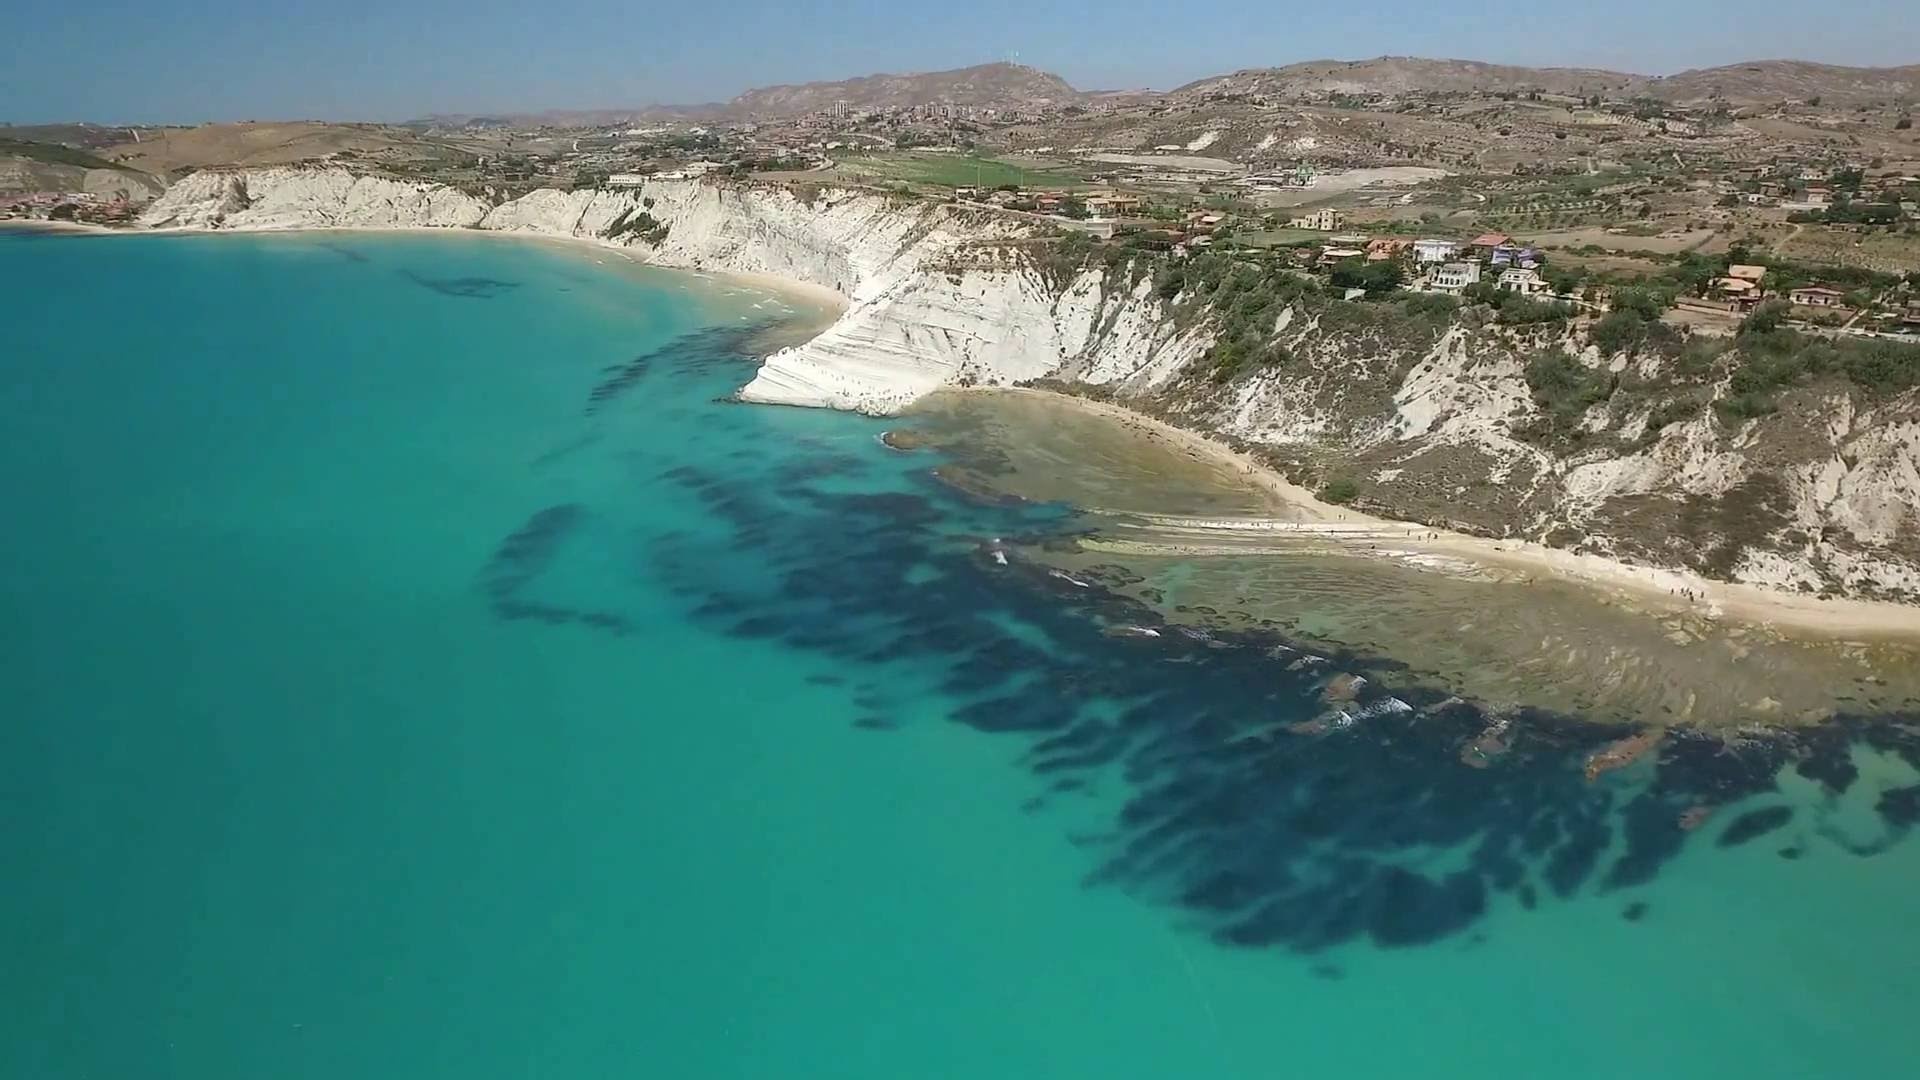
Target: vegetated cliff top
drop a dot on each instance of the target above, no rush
(998, 85)
(1753, 81)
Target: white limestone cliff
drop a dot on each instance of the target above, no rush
(928, 304)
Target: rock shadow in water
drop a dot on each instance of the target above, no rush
(1271, 800)
(521, 558)
(471, 288)
(689, 352)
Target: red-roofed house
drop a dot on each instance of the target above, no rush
(1382, 249)
(1484, 245)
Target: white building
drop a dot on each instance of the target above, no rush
(1432, 252)
(692, 170)
(626, 179)
(1524, 282)
(1454, 278)
(1319, 220)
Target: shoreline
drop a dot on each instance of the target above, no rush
(1363, 535)
(1649, 587)
(812, 298)
(71, 228)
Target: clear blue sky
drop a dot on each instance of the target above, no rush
(145, 61)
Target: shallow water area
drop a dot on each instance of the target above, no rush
(1498, 636)
(418, 669)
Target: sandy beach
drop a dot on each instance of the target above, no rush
(1655, 589)
(76, 227)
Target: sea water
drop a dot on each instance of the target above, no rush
(413, 667)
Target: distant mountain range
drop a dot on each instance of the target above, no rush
(1007, 86)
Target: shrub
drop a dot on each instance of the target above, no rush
(1517, 310)
(1618, 331)
(1665, 415)
(1563, 387)
(1340, 491)
(1430, 305)
(1374, 277)
(1766, 318)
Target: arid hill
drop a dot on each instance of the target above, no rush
(179, 149)
(1745, 83)
(1000, 85)
(27, 166)
(1403, 74)
(1789, 80)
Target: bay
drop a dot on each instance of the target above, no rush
(415, 669)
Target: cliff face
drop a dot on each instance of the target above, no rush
(294, 198)
(1437, 420)
(1435, 416)
(938, 295)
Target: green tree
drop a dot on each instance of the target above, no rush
(1767, 318)
(1375, 277)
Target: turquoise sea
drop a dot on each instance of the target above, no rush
(412, 669)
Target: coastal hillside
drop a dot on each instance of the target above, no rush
(173, 151)
(30, 165)
(1768, 457)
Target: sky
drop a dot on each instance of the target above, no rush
(137, 61)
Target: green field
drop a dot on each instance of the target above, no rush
(955, 170)
(1279, 237)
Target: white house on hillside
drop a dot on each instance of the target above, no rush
(1454, 278)
(1524, 282)
(1431, 252)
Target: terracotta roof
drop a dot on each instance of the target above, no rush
(1492, 239)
